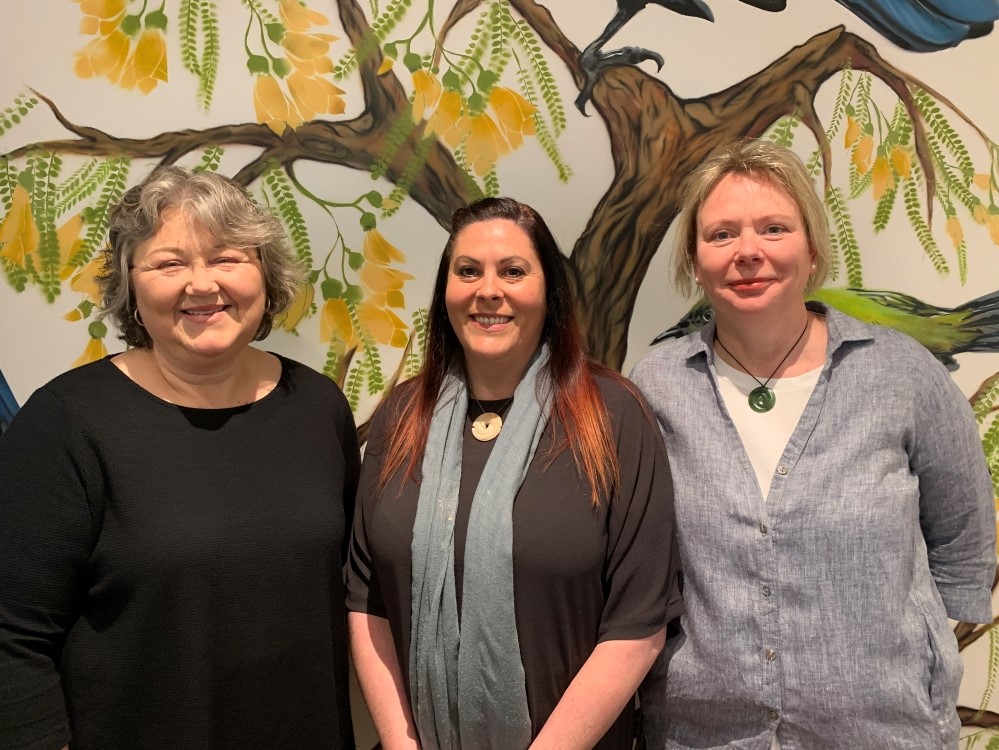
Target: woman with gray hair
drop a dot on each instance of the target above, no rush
(173, 519)
(832, 503)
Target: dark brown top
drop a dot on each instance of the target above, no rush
(582, 575)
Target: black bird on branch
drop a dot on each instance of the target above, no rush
(916, 25)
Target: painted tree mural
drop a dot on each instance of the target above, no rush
(438, 97)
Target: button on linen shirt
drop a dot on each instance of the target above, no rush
(820, 612)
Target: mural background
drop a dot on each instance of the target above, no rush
(366, 155)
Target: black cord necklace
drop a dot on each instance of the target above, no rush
(762, 399)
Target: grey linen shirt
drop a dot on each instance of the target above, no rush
(820, 612)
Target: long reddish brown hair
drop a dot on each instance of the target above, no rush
(578, 407)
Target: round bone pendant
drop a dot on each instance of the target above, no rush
(487, 426)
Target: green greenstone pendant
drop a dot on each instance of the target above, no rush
(762, 399)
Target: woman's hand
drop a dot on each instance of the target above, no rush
(380, 677)
(598, 693)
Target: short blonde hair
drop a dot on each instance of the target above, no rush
(775, 165)
(219, 205)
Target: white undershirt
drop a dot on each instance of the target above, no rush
(765, 434)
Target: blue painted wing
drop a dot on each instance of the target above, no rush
(927, 25)
(8, 405)
(966, 11)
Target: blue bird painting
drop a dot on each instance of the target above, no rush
(945, 331)
(8, 405)
(915, 25)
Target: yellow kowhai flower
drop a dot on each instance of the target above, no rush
(18, 232)
(381, 279)
(148, 64)
(272, 105)
(882, 178)
(103, 57)
(426, 92)
(103, 9)
(390, 298)
(980, 213)
(982, 181)
(485, 144)
(335, 322)
(307, 46)
(315, 96)
(862, 154)
(901, 160)
(68, 237)
(384, 325)
(386, 66)
(852, 133)
(299, 307)
(379, 250)
(100, 16)
(84, 281)
(296, 15)
(515, 114)
(73, 315)
(309, 52)
(450, 120)
(955, 231)
(317, 66)
(994, 228)
(94, 351)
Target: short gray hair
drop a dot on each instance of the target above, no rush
(220, 206)
(779, 167)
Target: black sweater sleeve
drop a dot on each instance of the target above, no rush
(50, 510)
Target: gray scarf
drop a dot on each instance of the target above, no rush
(467, 687)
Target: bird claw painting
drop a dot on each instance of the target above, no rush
(366, 124)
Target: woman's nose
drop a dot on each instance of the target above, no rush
(489, 287)
(748, 246)
(202, 279)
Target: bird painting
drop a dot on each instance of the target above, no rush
(915, 25)
(8, 405)
(945, 331)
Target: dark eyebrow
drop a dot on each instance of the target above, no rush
(502, 261)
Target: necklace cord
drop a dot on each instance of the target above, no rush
(745, 369)
(483, 410)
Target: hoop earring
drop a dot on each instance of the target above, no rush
(137, 317)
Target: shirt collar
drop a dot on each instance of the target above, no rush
(842, 329)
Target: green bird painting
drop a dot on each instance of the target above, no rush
(945, 331)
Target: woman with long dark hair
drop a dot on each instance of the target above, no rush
(512, 567)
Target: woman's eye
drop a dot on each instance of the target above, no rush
(514, 272)
(170, 264)
(224, 260)
(721, 235)
(774, 229)
(466, 272)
